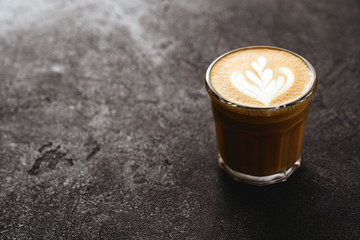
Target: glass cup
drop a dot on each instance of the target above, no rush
(260, 146)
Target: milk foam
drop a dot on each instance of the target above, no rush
(261, 77)
(262, 87)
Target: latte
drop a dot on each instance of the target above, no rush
(261, 77)
(260, 99)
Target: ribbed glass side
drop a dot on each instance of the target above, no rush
(260, 148)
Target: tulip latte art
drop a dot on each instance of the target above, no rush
(261, 77)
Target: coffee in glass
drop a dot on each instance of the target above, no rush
(260, 98)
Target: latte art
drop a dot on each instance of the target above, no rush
(261, 77)
(262, 87)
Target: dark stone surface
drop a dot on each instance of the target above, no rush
(106, 130)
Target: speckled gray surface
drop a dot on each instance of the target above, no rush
(106, 130)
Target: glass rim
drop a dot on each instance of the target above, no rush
(302, 98)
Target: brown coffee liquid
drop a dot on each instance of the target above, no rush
(260, 145)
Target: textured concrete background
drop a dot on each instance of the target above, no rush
(106, 130)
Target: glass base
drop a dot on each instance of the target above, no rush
(259, 180)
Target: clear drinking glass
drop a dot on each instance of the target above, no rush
(260, 146)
